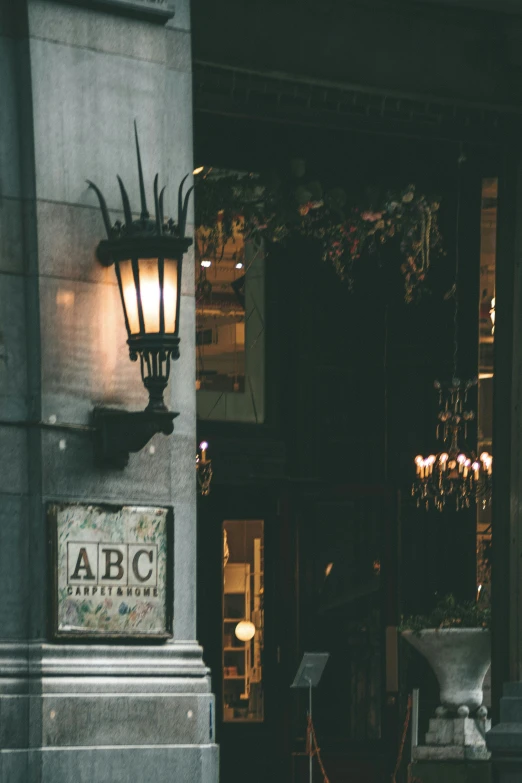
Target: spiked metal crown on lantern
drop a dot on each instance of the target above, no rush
(147, 254)
(145, 226)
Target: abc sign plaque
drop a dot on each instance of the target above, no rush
(112, 569)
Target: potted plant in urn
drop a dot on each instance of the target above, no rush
(455, 640)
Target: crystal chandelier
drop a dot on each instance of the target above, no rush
(454, 474)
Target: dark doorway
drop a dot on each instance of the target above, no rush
(330, 584)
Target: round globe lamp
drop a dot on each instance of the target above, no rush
(245, 630)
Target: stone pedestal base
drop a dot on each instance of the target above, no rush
(111, 765)
(449, 772)
(95, 714)
(505, 739)
(454, 739)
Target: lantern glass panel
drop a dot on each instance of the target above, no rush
(130, 299)
(170, 294)
(149, 285)
(150, 294)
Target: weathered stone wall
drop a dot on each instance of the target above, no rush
(73, 81)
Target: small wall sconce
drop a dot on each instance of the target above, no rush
(204, 469)
(147, 255)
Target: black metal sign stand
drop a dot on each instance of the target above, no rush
(308, 676)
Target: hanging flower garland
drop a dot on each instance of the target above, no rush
(265, 208)
(408, 216)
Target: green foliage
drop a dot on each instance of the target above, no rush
(449, 614)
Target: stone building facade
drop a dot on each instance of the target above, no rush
(75, 76)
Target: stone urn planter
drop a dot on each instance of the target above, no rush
(460, 658)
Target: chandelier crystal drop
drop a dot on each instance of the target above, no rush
(455, 474)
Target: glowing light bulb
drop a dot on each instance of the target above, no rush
(245, 630)
(203, 446)
(443, 457)
(419, 460)
(484, 456)
(150, 294)
(206, 263)
(461, 459)
(239, 265)
(198, 170)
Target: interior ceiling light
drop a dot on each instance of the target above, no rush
(455, 473)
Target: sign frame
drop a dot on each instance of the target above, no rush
(91, 636)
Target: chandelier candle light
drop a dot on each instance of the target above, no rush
(455, 473)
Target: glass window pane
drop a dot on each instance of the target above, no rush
(129, 296)
(220, 313)
(150, 294)
(243, 620)
(170, 294)
(230, 326)
(488, 233)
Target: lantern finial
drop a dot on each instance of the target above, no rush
(183, 206)
(144, 210)
(159, 222)
(103, 207)
(126, 204)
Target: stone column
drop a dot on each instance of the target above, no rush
(505, 739)
(75, 75)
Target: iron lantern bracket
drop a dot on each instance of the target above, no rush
(118, 433)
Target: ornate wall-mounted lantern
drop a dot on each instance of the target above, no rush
(147, 255)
